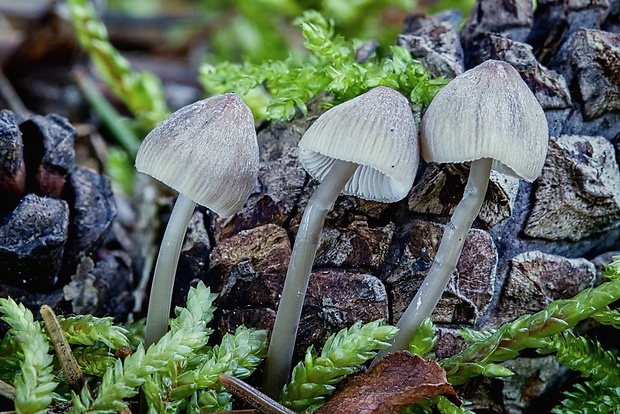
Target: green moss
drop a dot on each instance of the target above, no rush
(277, 89)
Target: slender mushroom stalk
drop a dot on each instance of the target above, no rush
(365, 147)
(302, 258)
(450, 248)
(208, 152)
(489, 116)
(166, 269)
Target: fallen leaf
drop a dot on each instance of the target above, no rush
(397, 381)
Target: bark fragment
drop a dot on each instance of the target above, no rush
(535, 279)
(248, 269)
(578, 193)
(512, 18)
(471, 286)
(434, 41)
(548, 86)
(590, 62)
(441, 188)
(357, 246)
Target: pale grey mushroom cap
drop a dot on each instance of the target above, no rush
(487, 112)
(206, 151)
(375, 130)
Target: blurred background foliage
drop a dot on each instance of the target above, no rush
(262, 35)
(260, 30)
(135, 61)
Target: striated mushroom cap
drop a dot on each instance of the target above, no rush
(375, 130)
(487, 112)
(206, 151)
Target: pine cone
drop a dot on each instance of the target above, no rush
(57, 239)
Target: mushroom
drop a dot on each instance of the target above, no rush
(489, 116)
(366, 147)
(208, 152)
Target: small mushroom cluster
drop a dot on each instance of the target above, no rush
(58, 242)
(487, 118)
(367, 147)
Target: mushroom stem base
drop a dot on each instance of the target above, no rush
(166, 269)
(282, 344)
(448, 253)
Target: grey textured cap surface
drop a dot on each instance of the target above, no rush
(375, 130)
(487, 112)
(206, 151)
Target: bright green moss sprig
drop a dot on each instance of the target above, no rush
(238, 354)
(188, 333)
(588, 398)
(179, 371)
(436, 404)
(529, 331)
(33, 388)
(259, 29)
(96, 339)
(313, 379)
(330, 67)
(586, 356)
(608, 317)
(93, 360)
(423, 340)
(87, 330)
(601, 368)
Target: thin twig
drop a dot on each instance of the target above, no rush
(11, 97)
(73, 373)
(252, 396)
(7, 390)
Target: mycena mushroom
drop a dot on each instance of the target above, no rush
(208, 152)
(366, 147)
(489, 116)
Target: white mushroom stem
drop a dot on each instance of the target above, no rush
(448, 253)
(280, 354)
(166, 269)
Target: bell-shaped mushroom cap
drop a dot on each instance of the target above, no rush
(375, 130)
(487, 112)
(206, 151)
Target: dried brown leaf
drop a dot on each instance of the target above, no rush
(397, 381)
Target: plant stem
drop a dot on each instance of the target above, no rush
(280, 354)
(11, 97)
(252, 396)
(165, 270)
(73, 374)
(123, 135)
(448, 253)
(529, 331)
(7, 390)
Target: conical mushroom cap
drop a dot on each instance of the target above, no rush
(206, 151)
(487, 112)
(375, 130)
